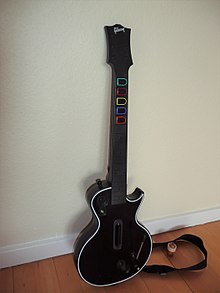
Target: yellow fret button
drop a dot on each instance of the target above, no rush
(121, 101)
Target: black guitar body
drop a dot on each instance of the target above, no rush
(121, 245)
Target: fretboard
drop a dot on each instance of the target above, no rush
(120, 61)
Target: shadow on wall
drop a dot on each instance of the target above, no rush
(84, 216)
(82, 219)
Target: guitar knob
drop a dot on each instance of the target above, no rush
(123, 266)
(99, 183)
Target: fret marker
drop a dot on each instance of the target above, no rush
(121, 81)
(120, 119)
(121, 91)
(121, 101)
(121, 111)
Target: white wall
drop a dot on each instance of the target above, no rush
(54, 103)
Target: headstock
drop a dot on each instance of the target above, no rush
(118, 44)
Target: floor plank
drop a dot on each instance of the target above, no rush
(36, 277)
(6, 280)
(68, 279)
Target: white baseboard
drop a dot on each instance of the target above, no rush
(182, 221)
(17, 254)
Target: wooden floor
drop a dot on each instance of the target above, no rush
(58, 274)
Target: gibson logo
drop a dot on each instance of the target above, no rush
(119, 29)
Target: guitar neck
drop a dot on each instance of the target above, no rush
(120, 63)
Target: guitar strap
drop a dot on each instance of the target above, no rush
(164, 269)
